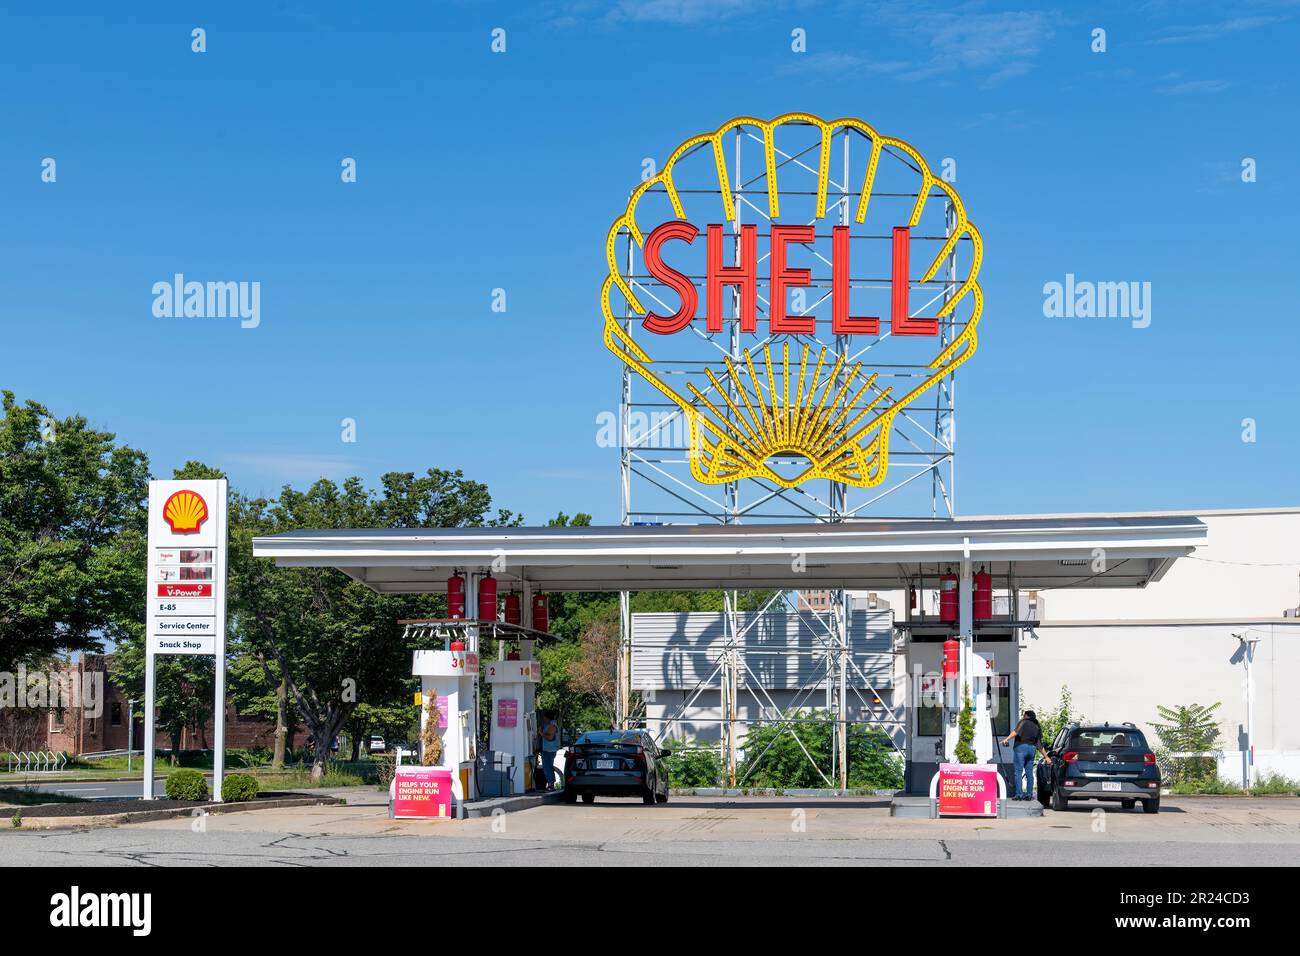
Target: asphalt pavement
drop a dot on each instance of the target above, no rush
(697, 831)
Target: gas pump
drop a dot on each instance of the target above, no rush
(449, 678)
(933, 699)
(514, 723)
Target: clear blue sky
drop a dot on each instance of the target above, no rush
(1123, 165)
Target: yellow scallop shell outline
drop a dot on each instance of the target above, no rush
(185, 511)
(868, 459)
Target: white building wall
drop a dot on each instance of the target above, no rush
(1122, 652)
(1248, 568)
(1122, 672)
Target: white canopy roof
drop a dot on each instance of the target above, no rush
(1044, 551)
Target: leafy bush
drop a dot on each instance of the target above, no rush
(691, 766)
(1189, 729)
(186, 785)
(874, 764)
(238, 787)
(1052, 720)
(1212, 786)
(774, 758)
(248, 756)
(965, 753)
(1274, 784)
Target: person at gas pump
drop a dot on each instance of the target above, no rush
(550, 735)
(1028, 737)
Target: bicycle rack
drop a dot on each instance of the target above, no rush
(38, 761)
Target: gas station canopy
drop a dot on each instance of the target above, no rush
(1041, 552)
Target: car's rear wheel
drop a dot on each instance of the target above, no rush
(1151, 806)
(1128, 804)
(569, 796)
(662, 797)
(648, 798)
(1059, 802)
(588, 798)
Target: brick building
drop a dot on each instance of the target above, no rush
(76, 730)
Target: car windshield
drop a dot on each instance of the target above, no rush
(611, 738)
(1107, 738)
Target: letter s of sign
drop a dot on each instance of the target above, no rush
(679, 283)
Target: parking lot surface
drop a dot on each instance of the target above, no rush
(689, 831)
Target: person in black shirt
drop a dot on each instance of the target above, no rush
(1028, 736)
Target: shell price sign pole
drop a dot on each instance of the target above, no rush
(185, 597)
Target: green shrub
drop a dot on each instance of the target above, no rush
(774, 758)
(1274, 784)
(964, 751)
(238, 787)
(1053, 720)
(248, 756)
(186, 785)
(690, 767)
(1212, 786)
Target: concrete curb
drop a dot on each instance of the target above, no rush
(524, 801)
(486, 808)
(147, 816)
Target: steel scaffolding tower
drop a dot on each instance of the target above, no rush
(656, 481)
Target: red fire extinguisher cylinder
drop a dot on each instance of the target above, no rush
(456, 597)
(951, 659)
(983, 596)
(948, 597)
(513, 613)
(541, 620)
(487, 598)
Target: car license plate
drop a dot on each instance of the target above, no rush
(613, 765)
(1114, 787)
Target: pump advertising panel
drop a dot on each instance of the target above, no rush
(422, 793)
(968, 790)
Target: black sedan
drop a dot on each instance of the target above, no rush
(616, 763)
(1100, 762)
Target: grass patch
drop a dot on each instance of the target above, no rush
(301, 780)
(236, 757)
(31, 797)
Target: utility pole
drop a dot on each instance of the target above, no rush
(130, 732)
(1246, 655)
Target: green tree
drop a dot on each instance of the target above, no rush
(400, 722)
(337, 644)
(256, 688)
(72, 534)
(184, 688)
(1190, 728)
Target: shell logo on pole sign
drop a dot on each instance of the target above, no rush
(185, 610)
(185, 511)
(815, 225)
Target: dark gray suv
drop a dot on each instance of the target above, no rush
(1099, 762)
